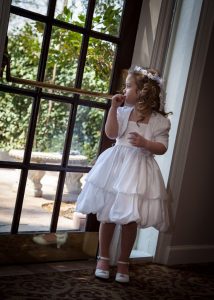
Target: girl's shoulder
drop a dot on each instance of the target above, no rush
(159, 121)
(156, 116)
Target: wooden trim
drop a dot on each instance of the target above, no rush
(58, 87)
(4, 18)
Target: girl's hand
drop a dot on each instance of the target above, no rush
(117, 100)
(137, 140)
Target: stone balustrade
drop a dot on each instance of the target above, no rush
(72, 181)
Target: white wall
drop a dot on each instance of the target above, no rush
(190, 181)
(176, 72)
(193, 238)
(175, 75)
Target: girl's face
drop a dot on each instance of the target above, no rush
(130, 91)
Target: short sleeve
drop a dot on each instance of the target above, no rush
(161, 131)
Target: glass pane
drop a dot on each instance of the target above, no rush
(99, 64)
(24, 46)
(39, 196)
(72, 188)
(9, 179)
(15, 113)
(50, 132)
(72, 11)
(63, 57)
(87, 133)
(107, 16)
(39, 6)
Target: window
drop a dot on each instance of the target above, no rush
(52, 138)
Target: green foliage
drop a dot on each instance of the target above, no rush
(25, 49)
(14, 118)
(51, 128)
(87, 131)
(107, 16)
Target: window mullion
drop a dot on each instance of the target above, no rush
(84, 47)
(46, 41)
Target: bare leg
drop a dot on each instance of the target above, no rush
(128, 237)
(105, 236)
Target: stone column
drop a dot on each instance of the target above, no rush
(73, 185)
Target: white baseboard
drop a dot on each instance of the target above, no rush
(188, 254)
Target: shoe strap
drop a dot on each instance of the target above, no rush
(102, 257)
(123, 262)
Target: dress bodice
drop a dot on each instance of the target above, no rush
(132, 127)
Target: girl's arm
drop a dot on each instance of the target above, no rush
(111, 126)
(138, 140)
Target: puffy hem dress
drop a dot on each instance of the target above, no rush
(125, 184)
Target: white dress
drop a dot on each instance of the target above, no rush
(126, 184)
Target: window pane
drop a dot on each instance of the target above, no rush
(99, 64)
(39, 6)
(50, 132)
(15, 113)
(87, 133)
(9, 179)
(63, 57)
(107, 16)
(24, 46)
(72, 188)
(39, 194)
(72, 11)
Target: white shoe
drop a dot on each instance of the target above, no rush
(103, 274)
(53, 238)
(123, 278)
(120, 277)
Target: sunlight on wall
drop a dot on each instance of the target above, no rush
(176, 72)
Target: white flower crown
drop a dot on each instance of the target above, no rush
(151, 76)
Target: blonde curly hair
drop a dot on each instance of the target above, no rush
(148, 83)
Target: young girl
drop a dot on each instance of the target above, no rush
(125, 185)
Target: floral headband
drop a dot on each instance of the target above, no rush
(151, 76)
